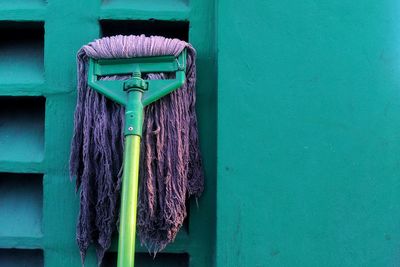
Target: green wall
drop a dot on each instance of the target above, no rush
(308, 133)
(307, 151)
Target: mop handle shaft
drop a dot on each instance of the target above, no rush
(129, 201)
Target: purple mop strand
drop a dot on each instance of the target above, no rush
(170, 161)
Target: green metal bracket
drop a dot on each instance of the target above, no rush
(134, 93)
(113, 89)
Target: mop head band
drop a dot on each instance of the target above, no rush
(170, 165)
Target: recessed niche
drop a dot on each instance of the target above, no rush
(169, 29)
(165, 5)
(22, 128)
(144, 259)
(21, 205)
(21, 258)
(21, 52)
(185, 226)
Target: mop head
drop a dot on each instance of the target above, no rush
(170, 167)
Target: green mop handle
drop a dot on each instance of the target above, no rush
(130, 178)
(129, 197)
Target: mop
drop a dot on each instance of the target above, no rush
(170, 167)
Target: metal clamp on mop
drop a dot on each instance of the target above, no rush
(135, 94)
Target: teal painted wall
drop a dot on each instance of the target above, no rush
(308, 133)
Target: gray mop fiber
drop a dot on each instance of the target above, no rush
(170, 166)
